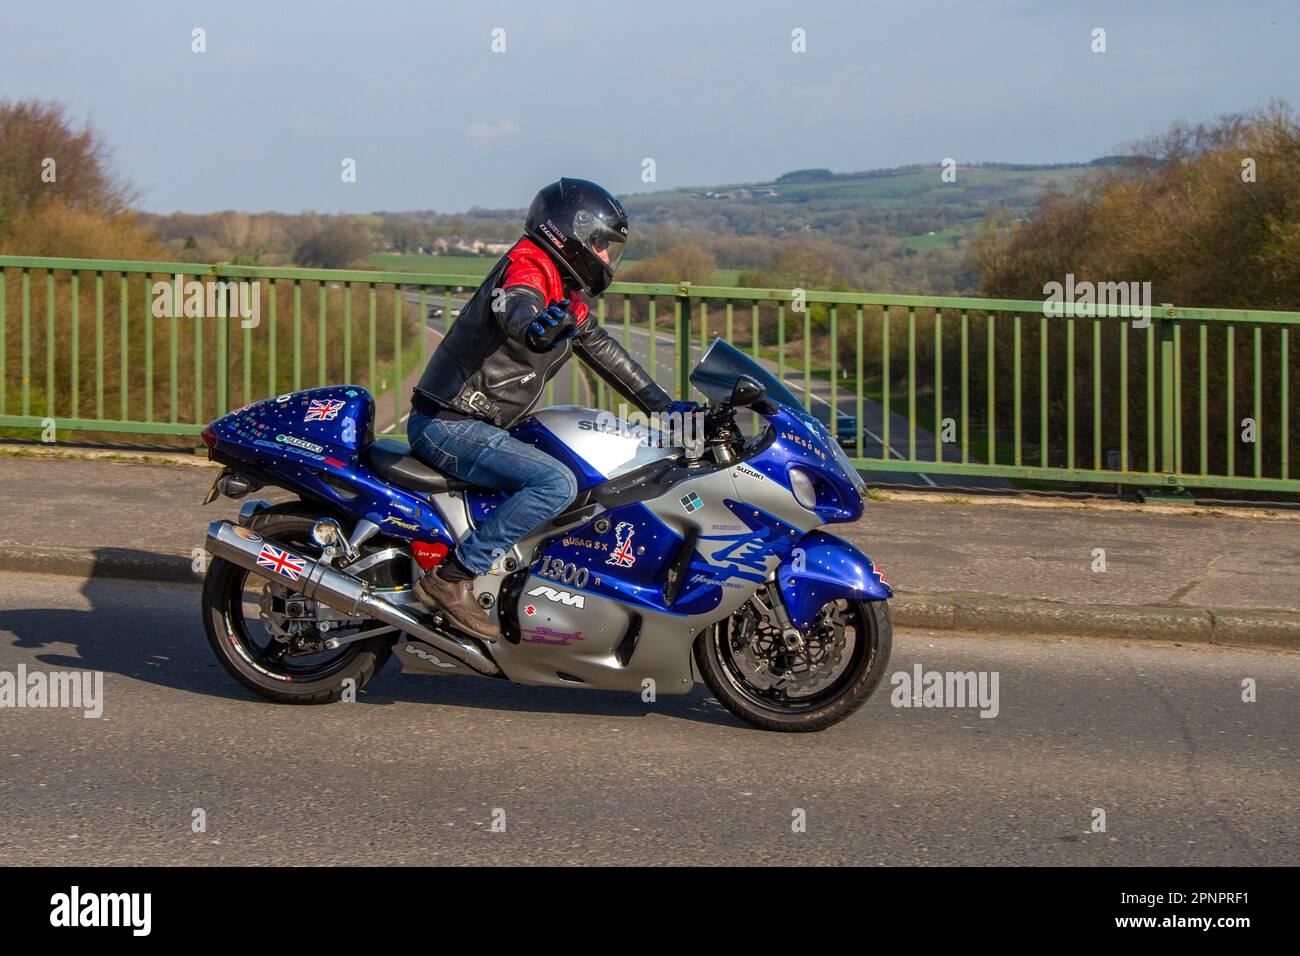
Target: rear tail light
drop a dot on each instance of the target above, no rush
(209, 437)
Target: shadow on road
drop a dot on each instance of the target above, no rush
(154, 633)
(499, 695)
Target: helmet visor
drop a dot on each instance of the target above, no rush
(602, 241)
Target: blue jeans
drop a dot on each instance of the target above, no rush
(482, 454)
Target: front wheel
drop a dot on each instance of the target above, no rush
(796, 681)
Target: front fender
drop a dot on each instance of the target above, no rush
(823, 568)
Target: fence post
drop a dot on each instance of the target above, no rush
(223, 352)
(683, 333)
(1172, 489)
(1166, 337)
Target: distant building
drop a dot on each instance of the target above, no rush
(740, 192)
(477, 246)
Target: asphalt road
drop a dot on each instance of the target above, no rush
(1156, 736)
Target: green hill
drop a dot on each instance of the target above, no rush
(895, 230)
(900, 202)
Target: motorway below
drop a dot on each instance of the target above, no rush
(1156, 736)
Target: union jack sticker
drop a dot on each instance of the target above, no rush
(323, 411)
(622, 555)
(281, 562)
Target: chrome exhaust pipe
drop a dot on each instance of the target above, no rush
(318, 581)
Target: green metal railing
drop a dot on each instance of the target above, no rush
(917, 385)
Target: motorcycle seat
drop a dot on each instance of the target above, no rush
(393, 461)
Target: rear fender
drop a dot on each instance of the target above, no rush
(823, 568)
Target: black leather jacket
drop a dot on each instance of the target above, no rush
(483, 368)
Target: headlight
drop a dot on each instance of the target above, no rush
(802, 486)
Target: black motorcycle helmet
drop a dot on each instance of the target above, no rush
(582, 227)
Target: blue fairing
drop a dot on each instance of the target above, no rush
(654, 545)
(797, 443)
(829, 568)
(719, 561)
(799, 440)
(311, 441)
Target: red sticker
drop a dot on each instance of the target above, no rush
(428, 555)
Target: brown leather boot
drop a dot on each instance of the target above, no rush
(456, 600)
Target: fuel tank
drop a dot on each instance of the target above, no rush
(597, 445)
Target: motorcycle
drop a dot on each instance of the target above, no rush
(669, 554)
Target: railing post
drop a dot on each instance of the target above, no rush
(683, 340)
(1166, 337)
(1172, 490)
(223, 352)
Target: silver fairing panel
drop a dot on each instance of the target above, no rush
(609, 444)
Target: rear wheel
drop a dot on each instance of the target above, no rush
(272, 640)
(796, 681)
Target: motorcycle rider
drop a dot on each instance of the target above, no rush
(490, 371)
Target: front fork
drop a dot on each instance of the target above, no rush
(772, 609)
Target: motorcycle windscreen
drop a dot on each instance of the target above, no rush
(723, 364)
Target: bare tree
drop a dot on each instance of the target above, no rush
(46, 157)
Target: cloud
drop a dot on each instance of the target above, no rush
(483, 133)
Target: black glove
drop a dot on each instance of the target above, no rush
(551, 326)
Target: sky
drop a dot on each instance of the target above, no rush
(712, 92)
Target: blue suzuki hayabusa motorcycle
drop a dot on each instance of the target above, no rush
(708, 550)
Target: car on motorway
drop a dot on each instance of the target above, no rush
(846, 425)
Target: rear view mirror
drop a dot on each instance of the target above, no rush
(746, 392)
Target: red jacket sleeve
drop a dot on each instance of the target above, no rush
(524, 271)
(531, 267)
